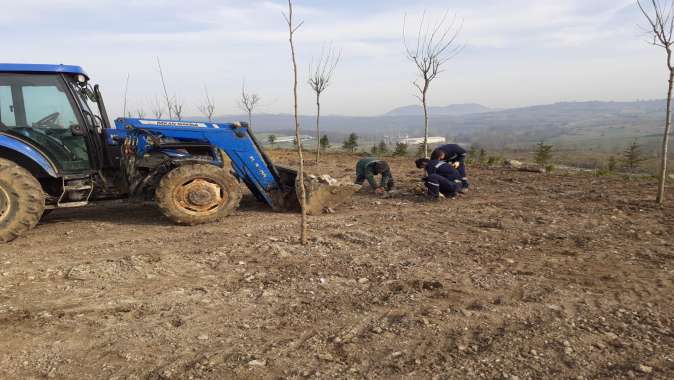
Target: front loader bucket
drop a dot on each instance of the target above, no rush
(323, 193)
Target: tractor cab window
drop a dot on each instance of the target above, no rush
(39, 108)
(47, 108)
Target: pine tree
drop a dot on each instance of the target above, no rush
(351, 143)
(633, 157)
(400, 149)
(543, 154)
(325, 143)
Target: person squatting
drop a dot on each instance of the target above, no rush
(369, 167)
(442, 178)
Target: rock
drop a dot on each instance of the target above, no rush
(329, 180)
(363, 281)
(257, 363)
(644, 368)
(377, 330)
(514, 164)
(203, 337)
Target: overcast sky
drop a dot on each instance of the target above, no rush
(518, 52)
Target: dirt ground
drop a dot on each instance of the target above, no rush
(528, 276)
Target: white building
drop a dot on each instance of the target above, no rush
(291, 139)
(420, 140)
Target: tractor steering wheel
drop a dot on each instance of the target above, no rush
(48, 121)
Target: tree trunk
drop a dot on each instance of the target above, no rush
(250, 120)
(318, 128)
(665, 140)
(423, 101)
(300, 176)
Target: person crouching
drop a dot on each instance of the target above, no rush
(442, 178)
(454, 155)
(369, 167)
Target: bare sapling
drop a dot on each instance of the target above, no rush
(208, 107)
(320, 79)
(292, 29)
(248, 102)
(436, 44)
(661, 29)
(167, 99)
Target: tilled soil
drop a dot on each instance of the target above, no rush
(528, 276)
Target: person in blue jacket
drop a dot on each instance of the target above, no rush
(455, 155)
(442, 178)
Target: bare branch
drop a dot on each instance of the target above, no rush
(208, 108)
(157, 111)
(177, 108)
(169, 106)
(248, 102)
(126, 92)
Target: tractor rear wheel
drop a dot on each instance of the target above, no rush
(197, 194)
(21, 201)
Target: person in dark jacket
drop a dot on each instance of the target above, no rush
(442, 178)
(455, 155)
(369, 167)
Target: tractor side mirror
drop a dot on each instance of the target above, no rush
(78, 130)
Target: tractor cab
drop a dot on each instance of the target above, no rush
(49, 108)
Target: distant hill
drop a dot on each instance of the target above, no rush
(578, 125)
(451, 110)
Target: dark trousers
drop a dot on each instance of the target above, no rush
(437, 184)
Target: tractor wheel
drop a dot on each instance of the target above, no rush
(197, 194)
(21, 201)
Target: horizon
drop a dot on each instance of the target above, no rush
(527, 52)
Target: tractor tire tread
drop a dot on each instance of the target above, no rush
(28, 197)
(177, 176)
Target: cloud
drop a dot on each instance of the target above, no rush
(218, 42)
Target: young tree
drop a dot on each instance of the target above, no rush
(325, 143)
(177, 108)
(400, 149)
(292, 29)
(436, 44)
(157, 110)
(272, 139)
(320, 78)
(140, 112)
(633, 157)
(208, 108)
(351, 143)
(383, 148)
(169, 104)
(374, 150)
(543, 154)
(247, 103)
(661, 28)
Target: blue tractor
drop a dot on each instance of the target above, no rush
(58, 149)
